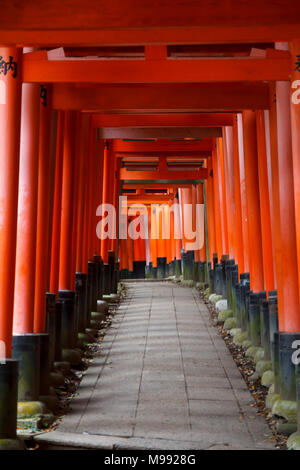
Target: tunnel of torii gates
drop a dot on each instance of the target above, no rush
(191, 108)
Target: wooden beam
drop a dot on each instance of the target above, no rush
(148, 198)
(280, 32)
(161, 120)
(158, 132)
(149, 185)
(139, 159)
(162, 98)
(98, 22)
(171, 154)
(100, 14)
(165, 176)
(162, 146)
(226, 50)
(247, 69)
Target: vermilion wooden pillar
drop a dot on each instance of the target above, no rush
(123, 254)
(76, 178)
(81, 267)
(284, 210)
(222, 192)
(92, 193)
(167, 217)
(253, 203)
(27, 210)
(239, 242)
(210, 209)
(129, 241)
(139, 249)
(65, 258)
(116, 193)
(10, 115)
(217, 213)
(172, 240)
(106, 193)
(56, 221)
(186, 199)
(264, 202)
(99, 178)
(43, 215)
(195, 201)
(295, 127)
(244, 210)
(161, 242)
(230, 194)
(153, 241)
(86, 212)
(200, 200)
(177, 229)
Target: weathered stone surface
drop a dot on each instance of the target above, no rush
(252, 351)
(267, 378)
(293, 442)
(285, 409)
(235, 331)
(259, 355)
(221, 305)
(224, 314)
(230, 323)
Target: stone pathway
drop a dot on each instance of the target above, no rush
(164, 380)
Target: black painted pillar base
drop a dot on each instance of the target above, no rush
(265, 329)
(45, 396)
(167, 273)
(58, 340)
(188, 262)
(51, 324)
(202, 272)
(111, 262)
(254, 317)
(223, 262)
(177, 267)
(297, 372)
(26, 350)
(238, 305)
(69, 332)
(92, 278)
(106, 279)
(117, 275)
(44, 363)
(287, 380)
(148, 271)
(244, 294)
(9, 405)
(218, 279)
(196, 271)
(172, 268)
(275, 362)
(81, 304)
(97, 260)
(161, 267)
(234, 279)
(124, 274)
(274, 340)
(154, 272)
(68, 319)
(211, 279)
(139, 269)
